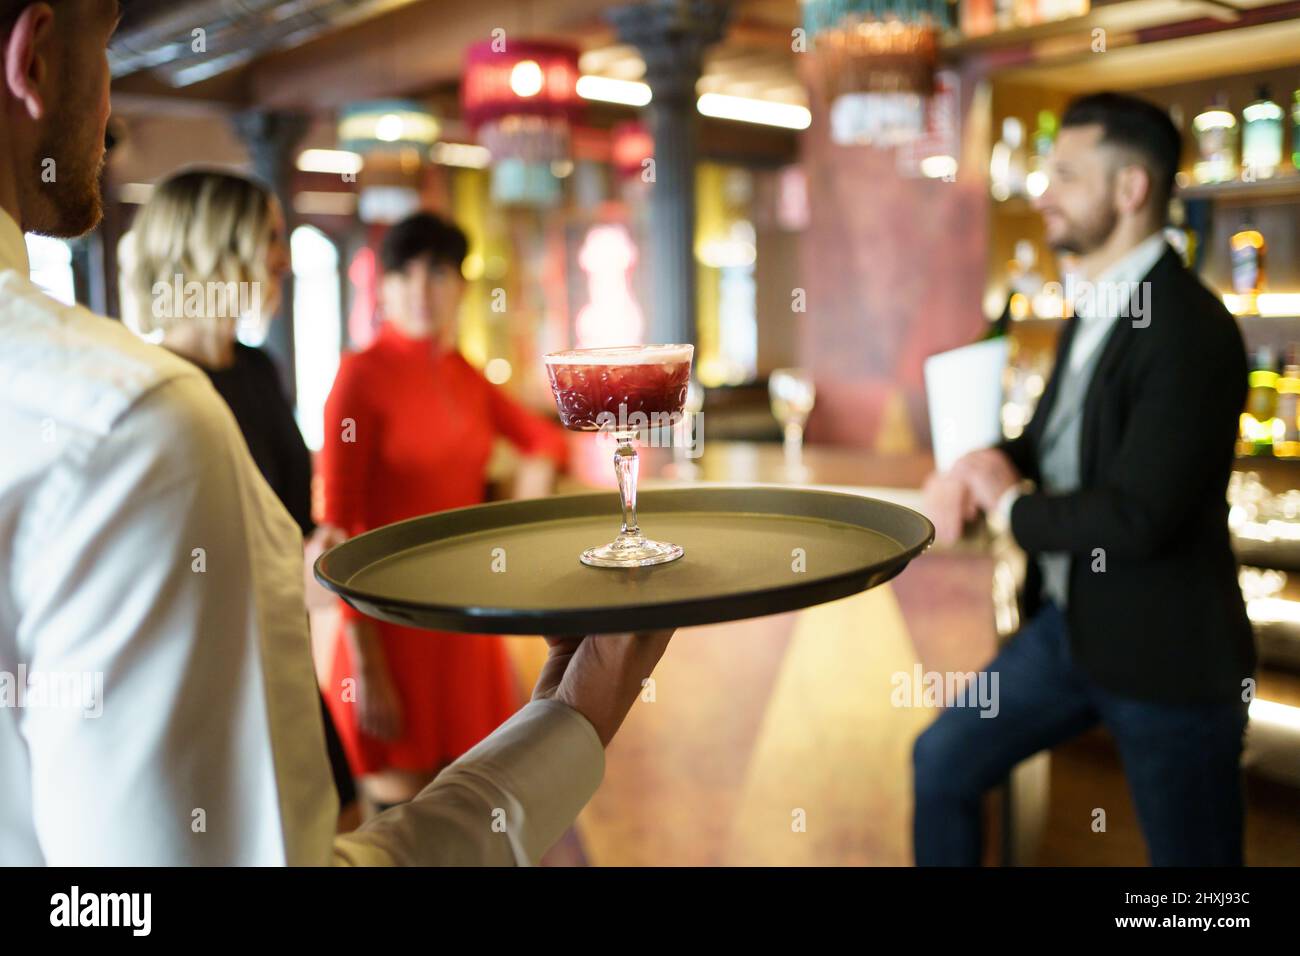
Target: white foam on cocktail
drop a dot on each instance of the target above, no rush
(624, 355)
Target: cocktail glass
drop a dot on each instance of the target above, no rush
(622, 391)
(793, 394)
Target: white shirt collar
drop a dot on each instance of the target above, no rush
(1106, 289)
(13, 248)
(1137, 262)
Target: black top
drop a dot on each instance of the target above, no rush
(251, 387)
(1155, 610)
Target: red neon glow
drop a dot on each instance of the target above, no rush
(611, 316)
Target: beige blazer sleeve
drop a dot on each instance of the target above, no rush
(504, 803)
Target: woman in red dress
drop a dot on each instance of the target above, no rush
(409, 426)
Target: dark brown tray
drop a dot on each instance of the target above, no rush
(436, 571)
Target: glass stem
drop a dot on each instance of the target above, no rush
(626, 462)
(793, 442)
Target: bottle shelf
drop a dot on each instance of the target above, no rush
(1281, 186)
(1263, 462)
(1109, 15)
(1278, 555)
(1285, 186)
(1014, 206)
(1274, 331)
(1149, 43)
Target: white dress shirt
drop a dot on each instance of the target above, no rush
(148, 570)
(1097, 314)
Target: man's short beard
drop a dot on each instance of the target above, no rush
(1083, 238)
(72, 204)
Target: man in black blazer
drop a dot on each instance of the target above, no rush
(1116, 491)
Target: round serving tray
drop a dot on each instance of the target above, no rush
(513, 568)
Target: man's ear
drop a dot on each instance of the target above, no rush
(1132, 187)
(26, 54)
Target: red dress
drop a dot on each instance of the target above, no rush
(408, 432)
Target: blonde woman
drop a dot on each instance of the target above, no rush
(203, 260)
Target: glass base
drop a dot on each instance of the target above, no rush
(631, 551)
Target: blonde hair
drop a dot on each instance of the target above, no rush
(207, 226)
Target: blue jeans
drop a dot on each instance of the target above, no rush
(1182, 762)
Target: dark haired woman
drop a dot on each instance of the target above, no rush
(409, 427)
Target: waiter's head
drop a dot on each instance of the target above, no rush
(422, 285)
(1111, 172)
(54, 111)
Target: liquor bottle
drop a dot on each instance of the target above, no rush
(977, 18)
(1247, 257)
(1257, 421)
(1004, 14)
(1286, 442)
(1295, 129)
(1261, 137)
(1025, 281)
(1007, 166)
(1044, 136)
(1216, 140)
(1179, 235)
(1025, 12)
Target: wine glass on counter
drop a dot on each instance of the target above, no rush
(793, 395)
(623, 391)
(686, 436)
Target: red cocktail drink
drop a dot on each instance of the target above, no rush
(620, 389)
(623, 390)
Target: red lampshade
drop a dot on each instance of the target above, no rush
(527, 78)
(632, 145)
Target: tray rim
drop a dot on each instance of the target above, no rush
(835, 586)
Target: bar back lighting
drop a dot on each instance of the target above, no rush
(467, 155)
(746, 110)
(337, 161)
(609, 90)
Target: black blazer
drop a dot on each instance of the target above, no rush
(1165, 620)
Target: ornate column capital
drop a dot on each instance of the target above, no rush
(271, 137)
(671, 36)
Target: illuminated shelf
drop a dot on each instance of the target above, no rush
(1015, 206)
(1287, 323)
(1149, 43)
(1113, 16)
(1279, 555)
(1279, 187)
(955, 45)
(1036, 324)
(1261, 462)
(1275, 331)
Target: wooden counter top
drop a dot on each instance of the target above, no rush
(744, 462)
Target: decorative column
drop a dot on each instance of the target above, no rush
(272, 139)
(671, 36)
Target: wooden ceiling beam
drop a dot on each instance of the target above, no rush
(410, 50)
